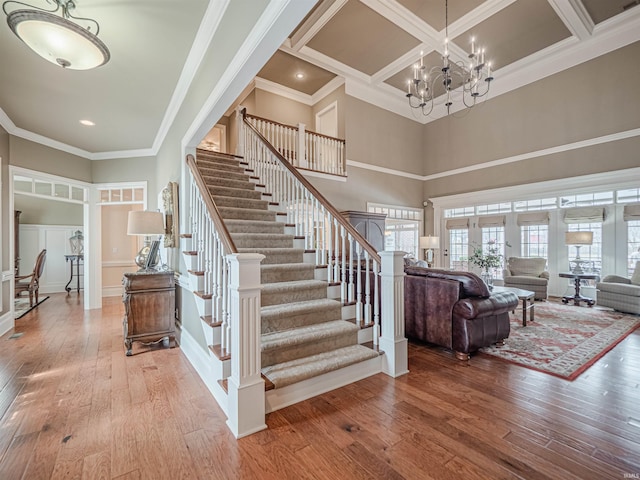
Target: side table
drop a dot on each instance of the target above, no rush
(577, 278)
(150, 308)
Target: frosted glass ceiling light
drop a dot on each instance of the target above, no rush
(57, 38)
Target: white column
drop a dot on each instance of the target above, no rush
(246, 406)
(92, 221)
(303, 162)
(393, 341)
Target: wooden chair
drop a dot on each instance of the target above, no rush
(34, 283)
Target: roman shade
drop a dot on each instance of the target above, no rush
(491, 221)
(457, 223)
(631, 212)
(533, 218)
(584, 215)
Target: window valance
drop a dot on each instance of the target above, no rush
(631, 212)
(584, 215)
(533, 218)
(457, 223)
(491, 221)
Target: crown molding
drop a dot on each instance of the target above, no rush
(281, 90)
(327, 89)
(390, 171)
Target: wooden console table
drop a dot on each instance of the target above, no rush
(577, 278)
(150, 308)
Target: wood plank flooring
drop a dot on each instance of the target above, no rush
(73, 406)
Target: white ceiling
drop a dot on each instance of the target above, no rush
(369, 45)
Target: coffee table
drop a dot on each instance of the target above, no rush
(527, 298)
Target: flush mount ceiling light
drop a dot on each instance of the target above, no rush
(58, 38)
(87, 123)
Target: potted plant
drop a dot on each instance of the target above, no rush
(486, 259)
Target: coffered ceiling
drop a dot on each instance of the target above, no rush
(371, 45)
(367, 45)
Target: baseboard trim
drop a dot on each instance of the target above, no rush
(204, 367)
(283, 397)
(6, 322)
(112, 291)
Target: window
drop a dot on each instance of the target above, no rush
(534, 241)
(403, 226)
(589, 253)
(633, 244)
(459, 212)
(459, 249)
(493, 208)
(586, 199)
(493, 237)
(630, 195)
(538, 204)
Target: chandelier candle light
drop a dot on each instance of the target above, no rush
(60, 39)
(474, 79)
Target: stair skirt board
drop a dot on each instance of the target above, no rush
(283, 397)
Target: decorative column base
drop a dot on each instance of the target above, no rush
(393, 341)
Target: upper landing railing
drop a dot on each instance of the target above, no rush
(302, 148)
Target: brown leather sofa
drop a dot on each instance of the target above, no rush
(455, 310)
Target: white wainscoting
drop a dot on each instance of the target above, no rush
(55, 238)
(112, 273)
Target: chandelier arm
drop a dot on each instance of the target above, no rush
(66, 9)
(426, 114)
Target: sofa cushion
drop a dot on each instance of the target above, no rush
(525, 280)
(499, 302)
(635, 278)
(471, 285)
(620, 288)
(532, 267)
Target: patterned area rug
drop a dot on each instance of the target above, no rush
(564, 340)
(21, 306)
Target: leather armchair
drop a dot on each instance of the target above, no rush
(527, 273)
(620, 293)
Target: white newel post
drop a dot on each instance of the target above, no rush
(303, 162)
(246, 407)
(393, 341)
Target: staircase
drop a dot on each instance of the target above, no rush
(288, 292)
(305, 331)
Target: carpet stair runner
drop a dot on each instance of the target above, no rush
(303, 330)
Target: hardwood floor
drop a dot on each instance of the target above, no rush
(73, 406)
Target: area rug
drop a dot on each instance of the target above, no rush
(21, 306)
(564, 340)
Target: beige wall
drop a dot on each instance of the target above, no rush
(5, 218)
(118, 249)
(597, 98)
(136, 169)
(40, 211)
(31, 155)
(338, 96)
(282, 110)
(378, 137)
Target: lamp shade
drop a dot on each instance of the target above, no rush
(429, 242)
(578, 238)
(145, 223)
(58, 39)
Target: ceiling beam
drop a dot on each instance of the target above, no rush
(318, 19)
(574, 16)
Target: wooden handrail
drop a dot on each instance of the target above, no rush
(325, 203)
(293, 127)
(225, 237)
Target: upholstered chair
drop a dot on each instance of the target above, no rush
(527, 273)
(621, 293)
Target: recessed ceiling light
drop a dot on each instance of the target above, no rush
(87, 123)
(300, 75)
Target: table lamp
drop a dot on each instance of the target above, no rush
(148, 224)
(578, 239)
(429, 244)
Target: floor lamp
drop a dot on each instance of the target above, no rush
(578, 239)
(429, 244)
(147, 224)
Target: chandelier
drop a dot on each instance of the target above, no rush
(472, 80)
(58, 38)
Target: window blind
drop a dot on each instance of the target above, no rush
(457, 223)
(533, 218)
(491, 221)
(584, 215)
(631, 212)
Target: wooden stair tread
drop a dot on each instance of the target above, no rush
(209, 320)
(220, 353)
(196, 272)
(204, 296)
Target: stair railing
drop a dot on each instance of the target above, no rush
(212, 243)
(350, 260)
(303, 148)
